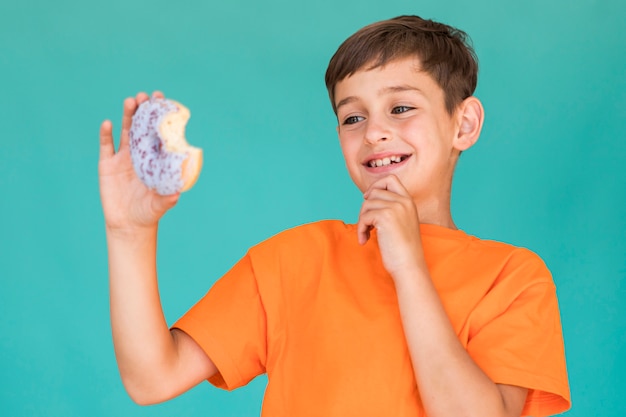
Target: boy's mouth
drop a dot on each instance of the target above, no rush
(388, 160)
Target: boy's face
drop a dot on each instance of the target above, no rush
(393, 120)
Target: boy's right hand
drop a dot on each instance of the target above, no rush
(155, 363)
(129, 206)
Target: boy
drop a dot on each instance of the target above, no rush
(401, 314)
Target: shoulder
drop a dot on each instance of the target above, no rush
(296, 258)
(514, 260)
(460, 260)
(308, 234)
(505, 272)
(305, 242)
(480, 256)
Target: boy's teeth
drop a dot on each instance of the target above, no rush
(385, 161)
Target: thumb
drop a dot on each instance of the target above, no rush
(163, 203)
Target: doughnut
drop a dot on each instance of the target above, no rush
(161, 156)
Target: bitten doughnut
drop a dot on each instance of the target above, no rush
(161, 156)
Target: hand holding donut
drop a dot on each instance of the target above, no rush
(128, 204)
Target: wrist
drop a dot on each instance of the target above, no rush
(414, 272)
(131, 234)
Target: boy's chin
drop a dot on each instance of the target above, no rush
(380, 177)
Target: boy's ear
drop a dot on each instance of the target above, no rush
(471, 116)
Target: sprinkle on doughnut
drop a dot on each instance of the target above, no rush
(157, 167)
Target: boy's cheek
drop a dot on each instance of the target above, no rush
(350, 150)
(351, 136)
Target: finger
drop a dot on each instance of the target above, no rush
(161, 204)
(367, 217)
(372, 218)
(107, 148)
(391, 183)
(157, 94)
(363, 233)
(386, 206)
(130, 106)
(377, 197)
(141, 97)
(384, 195)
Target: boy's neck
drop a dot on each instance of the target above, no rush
(435, 212)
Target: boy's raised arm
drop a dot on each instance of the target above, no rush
(155, 363)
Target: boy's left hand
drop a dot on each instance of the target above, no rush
(389, 208)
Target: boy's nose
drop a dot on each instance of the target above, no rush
(376, 132)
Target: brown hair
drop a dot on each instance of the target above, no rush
(445, 53)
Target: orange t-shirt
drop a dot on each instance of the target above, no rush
(318, 313)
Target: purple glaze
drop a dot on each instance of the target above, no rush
(157, 169)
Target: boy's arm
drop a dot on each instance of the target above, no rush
(155, 363)
(449, 381)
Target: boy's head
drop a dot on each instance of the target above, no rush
(402, 92)
(443, 51)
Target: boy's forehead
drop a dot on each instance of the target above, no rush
(394, 76)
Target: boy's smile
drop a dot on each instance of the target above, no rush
(385, 160)
(393, 120)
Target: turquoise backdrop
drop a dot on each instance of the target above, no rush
(548, 172)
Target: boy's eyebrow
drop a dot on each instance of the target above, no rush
(385, 90)
(399, 89)
(345, 101)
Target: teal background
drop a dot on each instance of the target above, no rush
(547, 173)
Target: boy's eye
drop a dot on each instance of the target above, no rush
(400, 109)
(352, 120)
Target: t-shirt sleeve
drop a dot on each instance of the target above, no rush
(523, 345)
(229, 325)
